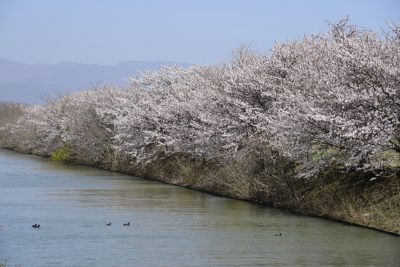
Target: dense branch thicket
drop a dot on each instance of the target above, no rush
(326, 100)
(10, 112)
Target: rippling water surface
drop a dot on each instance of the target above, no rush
(169, 226)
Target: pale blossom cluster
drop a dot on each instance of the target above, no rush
(325, 99)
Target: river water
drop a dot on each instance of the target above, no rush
(169, 225)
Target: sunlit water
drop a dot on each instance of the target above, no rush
(170, 226)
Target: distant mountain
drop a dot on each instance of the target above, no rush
(30, 83)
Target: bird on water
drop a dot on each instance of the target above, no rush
(108, 224)
(36, 225)
(127, 224)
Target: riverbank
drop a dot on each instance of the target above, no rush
(313, 126)
(341, 196)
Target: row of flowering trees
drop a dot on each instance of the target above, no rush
(325, 99)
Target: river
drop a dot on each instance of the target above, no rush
(169, 225)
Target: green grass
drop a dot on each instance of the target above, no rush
(61, 154)
(390, 159)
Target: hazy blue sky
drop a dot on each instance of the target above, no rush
(202, 31)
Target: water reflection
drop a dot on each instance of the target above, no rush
(170, 226)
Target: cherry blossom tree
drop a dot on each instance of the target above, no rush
(325, 100)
